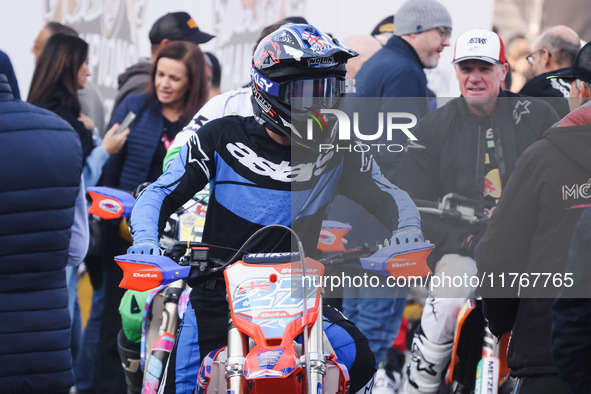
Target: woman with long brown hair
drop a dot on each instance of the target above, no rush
(178, 88)
(62, 69)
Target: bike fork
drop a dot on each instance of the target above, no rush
(317, 361)
(237, 351)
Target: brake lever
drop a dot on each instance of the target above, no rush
(348, 256)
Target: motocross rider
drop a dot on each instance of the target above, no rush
(263, 170)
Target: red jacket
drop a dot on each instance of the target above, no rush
(579, 117)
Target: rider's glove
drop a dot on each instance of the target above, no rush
(406, 235)
(145, 248)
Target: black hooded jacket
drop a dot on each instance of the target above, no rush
(56, 102)
(530, 233)
(555, 91)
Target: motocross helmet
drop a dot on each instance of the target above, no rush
(297, 71)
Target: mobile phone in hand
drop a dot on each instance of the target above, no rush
(126, 122)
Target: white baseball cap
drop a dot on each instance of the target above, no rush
(481, 45)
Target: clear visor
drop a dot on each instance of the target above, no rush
(311, 93)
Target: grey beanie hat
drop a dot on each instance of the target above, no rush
(417, 16)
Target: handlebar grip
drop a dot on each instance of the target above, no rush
(425, 203)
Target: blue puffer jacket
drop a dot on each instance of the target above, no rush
(130, 167)
(41, 160)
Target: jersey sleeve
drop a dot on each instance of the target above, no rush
(213, 109)
(183, 137)
(364, 184)
(189, 172)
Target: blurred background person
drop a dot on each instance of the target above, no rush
(61, 70)
(215, 69)
(174, 26)
(516, 49)
(90, 97)
(553, 52)
(92, 107)
(178, 89)
(365, 46)
(384, 30)
(469, 147)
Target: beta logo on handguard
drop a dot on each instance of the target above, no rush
(110, 206)
(400, 265)
(146, 275)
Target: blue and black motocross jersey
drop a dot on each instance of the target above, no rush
(254, 182)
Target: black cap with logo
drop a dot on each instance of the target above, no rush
(177, 26)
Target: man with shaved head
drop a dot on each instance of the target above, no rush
(554, 51)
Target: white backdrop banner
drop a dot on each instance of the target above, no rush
(117, 30)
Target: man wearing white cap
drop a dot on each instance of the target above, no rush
(468, 147)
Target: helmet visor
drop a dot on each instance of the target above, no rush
(312, 93)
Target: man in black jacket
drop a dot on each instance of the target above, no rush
(529, 235)
(571, 314)
(468, 147)
(554, 51)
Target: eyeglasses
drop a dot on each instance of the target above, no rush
(444, 32)
(530, 57)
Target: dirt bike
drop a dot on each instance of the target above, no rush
(471, 370)
(110, 203)
(165, 304)
(274, 298)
